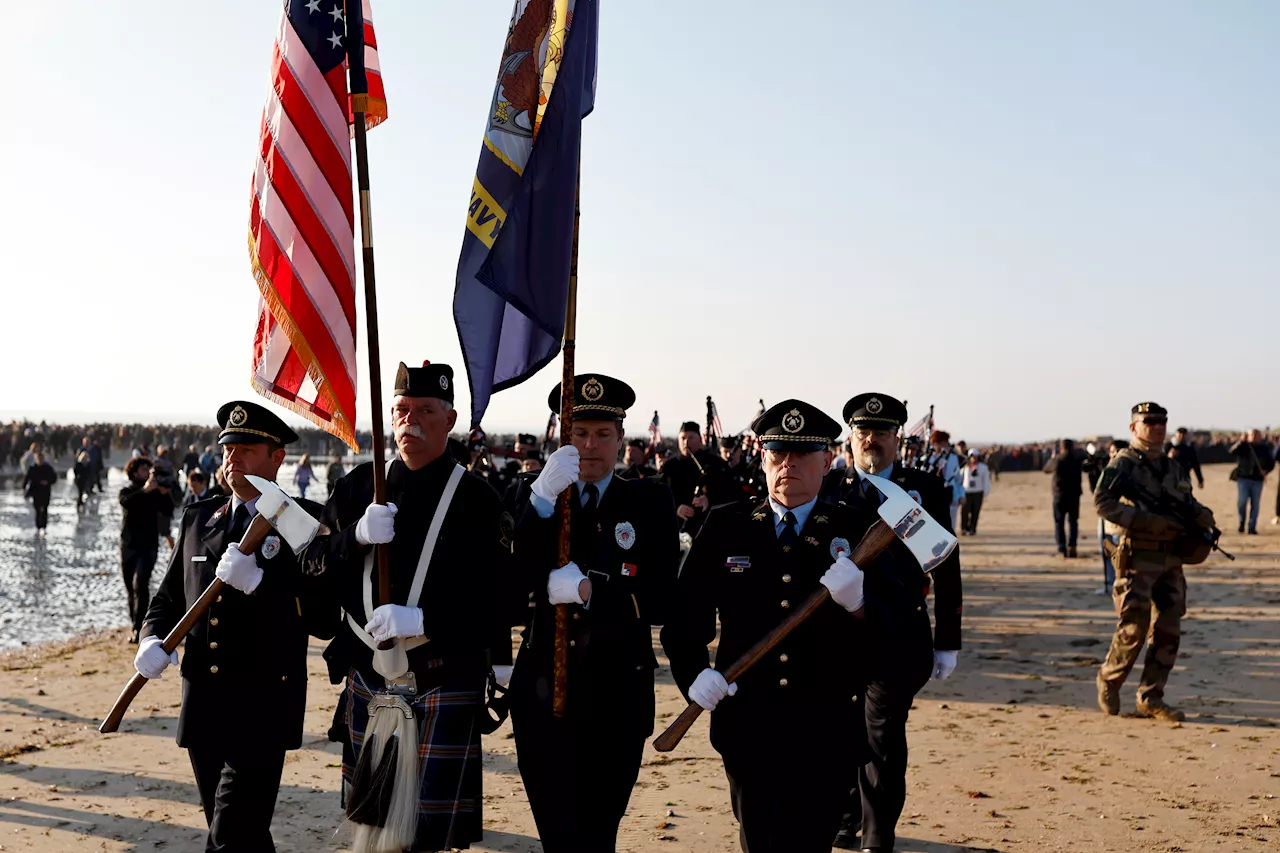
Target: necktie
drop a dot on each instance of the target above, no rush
(788, 534)
(593, 497)
(239, 522)
(869, 492)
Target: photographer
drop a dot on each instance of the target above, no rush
(1254, 462)
(143, 502)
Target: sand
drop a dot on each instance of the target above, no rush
(1010, 754)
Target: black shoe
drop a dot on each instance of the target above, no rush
(847, 839)
(1253, 532)
(1240, 529)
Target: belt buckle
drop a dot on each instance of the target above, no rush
(405, 685)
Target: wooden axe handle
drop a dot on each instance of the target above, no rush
(877, 538)
(258, 530)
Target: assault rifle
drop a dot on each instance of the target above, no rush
(1181, 512)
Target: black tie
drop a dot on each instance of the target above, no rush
(239, 522)
(593, 497)
(869, 492)
(788, 534)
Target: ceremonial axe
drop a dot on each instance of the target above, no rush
(901, 517)
(275, 510)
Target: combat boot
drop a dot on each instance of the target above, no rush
(1071, 552)
(1156, 709)
(1108, 697)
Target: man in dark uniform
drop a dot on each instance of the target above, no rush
(697, 478)
(790, 730)
(920, 654)
(748, 483)
(444, 602)
(249, 651)
(636, 460)
(579, 769)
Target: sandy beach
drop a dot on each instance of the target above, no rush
(1010, 754)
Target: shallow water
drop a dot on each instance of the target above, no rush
(69, 582)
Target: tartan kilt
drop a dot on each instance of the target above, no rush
(449, 760)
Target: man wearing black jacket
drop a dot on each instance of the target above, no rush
(37, 484)
(918, 653)
(1185, 452)
(1066, 466)
(142, 502)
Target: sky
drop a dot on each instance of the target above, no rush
(1031, 216)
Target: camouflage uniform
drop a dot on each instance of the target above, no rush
(1148, 576)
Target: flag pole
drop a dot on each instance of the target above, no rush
(560, 665)
(360, 100)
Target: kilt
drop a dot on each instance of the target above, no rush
(449, 761)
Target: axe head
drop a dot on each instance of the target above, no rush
(929, 541)
(294, 524)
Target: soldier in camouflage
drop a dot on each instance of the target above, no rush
(1149, 558)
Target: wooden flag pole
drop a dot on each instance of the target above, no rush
(360, 99)
(560, 666)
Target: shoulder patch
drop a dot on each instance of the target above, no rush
(507, 530)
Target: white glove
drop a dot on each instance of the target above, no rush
(502, 672)
(562, 584)
(709, 688)
(239, 570)
(944, 663)
(560, 472)
(844, 580)
(151, 660)
(395, 620)
(377, 525)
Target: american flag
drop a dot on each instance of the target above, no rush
(717, 429)
(301, 214)
(922, 428)
(655, 434)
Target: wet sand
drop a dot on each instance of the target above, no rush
(1010, 754)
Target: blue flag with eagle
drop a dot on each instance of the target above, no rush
(513, 275)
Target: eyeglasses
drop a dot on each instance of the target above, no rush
(862, 434)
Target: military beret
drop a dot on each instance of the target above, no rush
(728, 442)
(526, 438)
(690, 426)
(1146, 410)
(596, 397)
(430, 380)
(638, 442)
(535, 455)
(795, 425)
(875, 410)
(243, 422)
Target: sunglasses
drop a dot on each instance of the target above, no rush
(1153, 421)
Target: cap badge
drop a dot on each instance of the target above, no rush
(840, 544)
(793, 421)
(592, 390)
(625, 535)
(444, 382)
(874, 405)
(237, 417)
(1144, 408)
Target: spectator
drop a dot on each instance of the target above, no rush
(303, 475)
(143, 501)
(1185, 453)
(977, 484)
(1066, 466)
(197, 488)
(83, 476)
(335, 472)
(1254, 460)
(944, 462)
(209, 462)
(37, 485)
(29, 458)
(1107, 542)
(191, 461)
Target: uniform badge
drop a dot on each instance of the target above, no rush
(812, 541)
(914, 495)
(270, 546)
(840, 544)
(737, 564)
(625, 535)
(592, 390)
(444, 382)
(793, 421)
(819, 519)
(628, 570)
(874, 405)
(759, 516)
(237, 417)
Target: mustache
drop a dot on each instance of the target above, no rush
(410, 429)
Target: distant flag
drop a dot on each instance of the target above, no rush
(301, 217)
(551, 427)
(923, 428)
(717, 430)
(513, 273)
(655, 433)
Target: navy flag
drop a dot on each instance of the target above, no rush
(513, 274)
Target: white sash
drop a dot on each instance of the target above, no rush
(424, 562)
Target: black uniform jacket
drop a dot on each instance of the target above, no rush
(935, 497)
(469, 568)
(244, 667)
(806, 695)
(632, 556)
(685, 474)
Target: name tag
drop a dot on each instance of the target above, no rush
(198, 559)
(737, 564)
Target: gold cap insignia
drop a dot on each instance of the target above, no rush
(793, 421)
(237, 417)
(874, 405)
(592, 390)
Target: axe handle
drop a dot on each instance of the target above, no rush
(877, 538)
(258, 530)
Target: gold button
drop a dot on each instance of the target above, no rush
(214, 669)
(855, 697)
(219, 598)
(577, 616)
(786, 578)
(573, 642)
(782, 658)
(286, 678)
(782, 682)
(213, 645)
(918, 609)
(214, 621)
(786, 603)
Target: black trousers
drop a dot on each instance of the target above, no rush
(136, 566)
(882, 781)
(578, 774)
(1066, 508)
(238, 787)
(788, 812)
(969, 511)
(42, 515)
